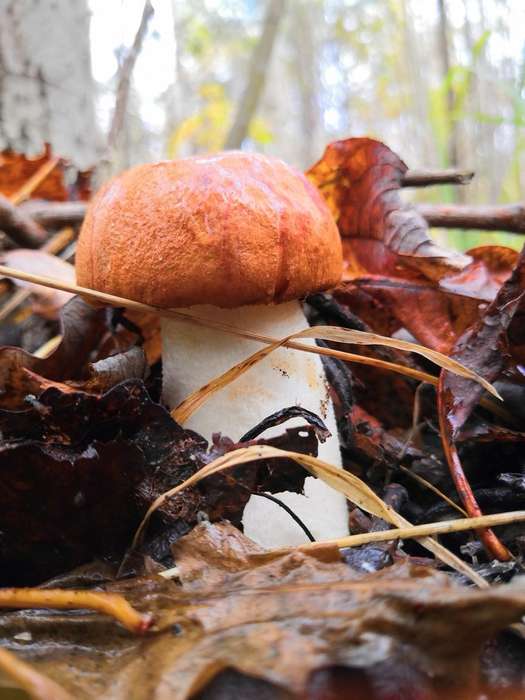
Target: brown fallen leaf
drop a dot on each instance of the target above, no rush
(47, 301)
(278, 621)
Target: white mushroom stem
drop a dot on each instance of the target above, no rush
(193, 355)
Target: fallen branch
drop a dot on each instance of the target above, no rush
(506, 217)
(55, 214)
(425, 178)
(20, 227)
(510, 217)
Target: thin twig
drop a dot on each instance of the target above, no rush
(55, 214)
(509, 217)
(290, 512)
(19, 226)
(491, 542)
(442, 527)
(425, 178)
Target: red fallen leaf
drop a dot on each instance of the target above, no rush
(483, 347)
(434, 317)
(491, 266)
(16, 169)
(403, 278)
(47, 302)
(360, 179)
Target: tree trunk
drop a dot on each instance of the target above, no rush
(256, 75)
(46, 87)
(309, 80)
(444, 55)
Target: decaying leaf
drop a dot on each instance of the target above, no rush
(482, 347)
(279, 620)
(79, 470)
(48, 302)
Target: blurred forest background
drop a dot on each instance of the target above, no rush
(442, 82)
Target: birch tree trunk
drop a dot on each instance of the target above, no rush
(46, 86)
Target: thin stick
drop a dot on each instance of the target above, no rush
(443, 527)
(492, 544)
(433, 488)
(124, 77)
(424, 178)
(19, 226)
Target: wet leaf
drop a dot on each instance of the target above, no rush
(278, 620)
(482, 347)
(78, 471)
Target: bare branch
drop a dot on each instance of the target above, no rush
(19, 226)
(54, 214)
(256, 75)
(124, 78)
(507, 217)
(424, 178)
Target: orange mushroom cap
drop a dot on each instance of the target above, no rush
(229, 229)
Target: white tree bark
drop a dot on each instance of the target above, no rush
(46, 86)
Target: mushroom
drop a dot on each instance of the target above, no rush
(238, 238)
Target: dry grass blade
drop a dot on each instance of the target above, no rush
(107, 603)
(341, 335)
(346, 336)
(354, 489)
(36, 685)
(432, 488)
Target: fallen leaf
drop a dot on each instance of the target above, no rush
(360, 179)
(17, 168)
(481, 347)
(279, 621)
(78, 471)
(48, 302)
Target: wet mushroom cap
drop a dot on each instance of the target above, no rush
(229, 229)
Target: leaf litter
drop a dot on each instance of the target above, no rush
(87, 448)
